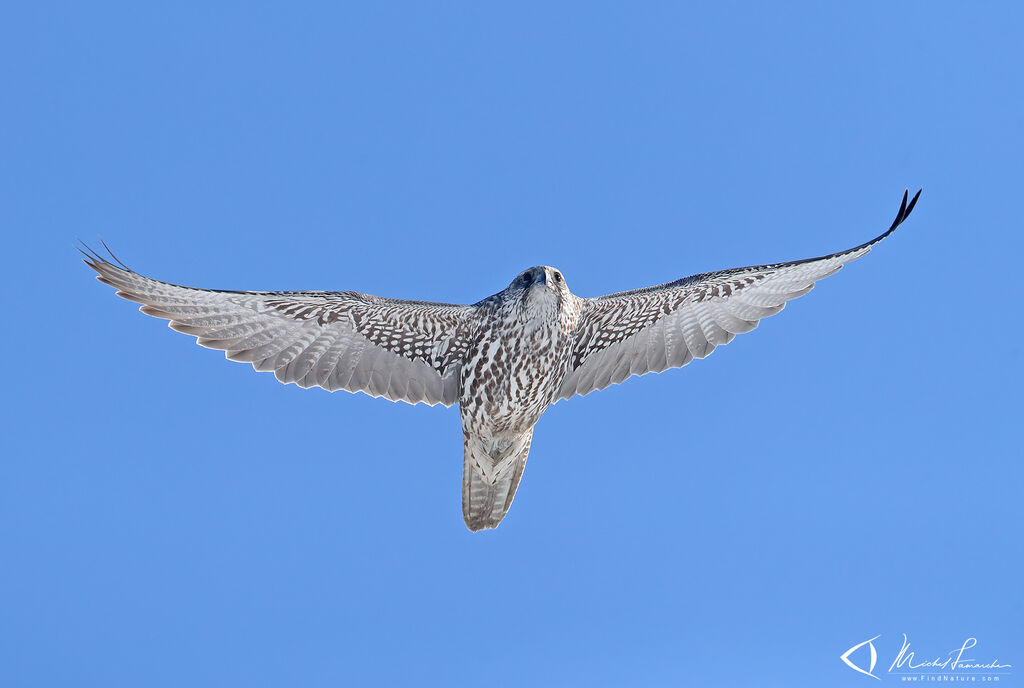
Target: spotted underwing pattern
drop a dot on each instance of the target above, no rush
(504, 360)
(419, 331)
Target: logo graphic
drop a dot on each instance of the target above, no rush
(874, 657)
(955, 665)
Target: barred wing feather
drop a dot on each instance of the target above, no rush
(667, 326)
(408, 351)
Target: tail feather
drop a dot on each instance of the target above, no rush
(491, 472)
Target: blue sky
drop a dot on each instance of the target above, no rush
(851, 468)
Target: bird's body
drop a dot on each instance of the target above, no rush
(518, 354)
(504, 360)
(516, 361)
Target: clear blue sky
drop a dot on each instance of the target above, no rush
(851, 468)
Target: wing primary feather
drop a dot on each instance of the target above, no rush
(310, 338)
(116, 259)
(675, 322)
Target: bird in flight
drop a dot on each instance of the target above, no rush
(504, 360)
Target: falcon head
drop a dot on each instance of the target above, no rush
(541, 291)
(538, 280)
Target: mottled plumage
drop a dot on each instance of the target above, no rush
(504, 360)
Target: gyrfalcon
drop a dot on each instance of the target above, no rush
(503, 360)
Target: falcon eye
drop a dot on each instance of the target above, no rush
(558, 277)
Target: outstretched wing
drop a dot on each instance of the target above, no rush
(403, 350)
(667, 326)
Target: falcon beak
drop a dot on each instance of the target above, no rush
(548, 284)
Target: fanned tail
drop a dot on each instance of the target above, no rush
(491, 472)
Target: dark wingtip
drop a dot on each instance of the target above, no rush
(905, 209)
(913, 202)
(116, 259)
(94, 259)
(91, 257)
(900, 212)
